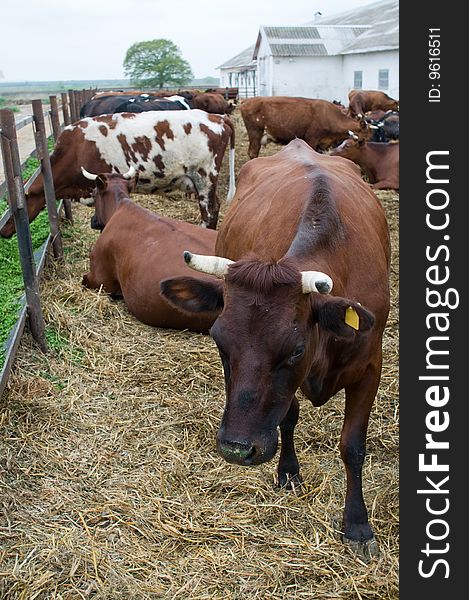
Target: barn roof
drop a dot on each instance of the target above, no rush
(381, 21)
(243, 59)
(369, 28)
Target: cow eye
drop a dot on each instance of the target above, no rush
(296, 355)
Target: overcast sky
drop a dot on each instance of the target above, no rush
(87, 39)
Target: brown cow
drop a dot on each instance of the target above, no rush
(212, 103)
(300, 222)
(319, 123)
(137, 249)
(362, 101)
(379, 161)
(170, 150)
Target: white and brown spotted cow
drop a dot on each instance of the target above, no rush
(169, 150)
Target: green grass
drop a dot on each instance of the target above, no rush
(3, 104)
(11, 279)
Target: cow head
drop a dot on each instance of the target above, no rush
(271, 333)
(110, 189)
(349, 148)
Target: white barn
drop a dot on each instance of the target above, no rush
(327, 57)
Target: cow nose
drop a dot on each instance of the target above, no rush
(236, 452)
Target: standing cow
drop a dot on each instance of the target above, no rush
(169, 149)
(319, 123)
(362, 101)
(301, 225)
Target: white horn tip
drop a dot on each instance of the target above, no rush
(212, 265)
(316, 281)
(88, 175)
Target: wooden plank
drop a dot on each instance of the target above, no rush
(11, 347)
(54, 117)
(12, 343)
(65, 110)
(46, 169)
(17, 202)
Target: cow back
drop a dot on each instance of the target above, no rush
(312, 206)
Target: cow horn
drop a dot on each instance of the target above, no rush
(212, 265)
(130, 173)
(315, 281)
(88, 175)
(352, 135)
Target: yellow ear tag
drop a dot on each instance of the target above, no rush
(352, 318)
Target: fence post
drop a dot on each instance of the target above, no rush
(54, 117)
(49, 192)
(65, 110)
(17, 202)
(73, 112)
(66, 114)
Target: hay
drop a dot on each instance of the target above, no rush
(110, 483)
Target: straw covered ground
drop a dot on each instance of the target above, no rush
(110, 485)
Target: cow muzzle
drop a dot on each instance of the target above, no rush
(95, 224)
(246, 453)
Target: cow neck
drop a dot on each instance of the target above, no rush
(119, 197)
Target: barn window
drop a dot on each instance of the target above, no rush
(383, 79)
(358, 80)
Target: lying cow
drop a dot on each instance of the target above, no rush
(362, 101)
(378, 161)
(319, 123)
(137, 249)
(111, 104)
(279, 329)
(169, 149)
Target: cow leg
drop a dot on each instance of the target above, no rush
(255, 136)
(357, 531)
(385, 184)
(98, 276)
(209, 206)
(288, 465)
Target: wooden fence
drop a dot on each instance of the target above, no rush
(33, 263)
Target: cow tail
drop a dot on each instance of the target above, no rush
(232, 185)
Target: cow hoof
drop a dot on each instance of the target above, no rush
(364, 550)
(286, 481)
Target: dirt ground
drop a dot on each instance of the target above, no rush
(110, 484)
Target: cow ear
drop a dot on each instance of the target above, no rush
(101, 182)
(342, 317)
(361, 141)
(133, 183)
(191, 295)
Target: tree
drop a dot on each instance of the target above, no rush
(156, 63)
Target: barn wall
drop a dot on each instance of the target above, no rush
(264, 69)
(241, 77)
(311, 77)
(370, 63)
